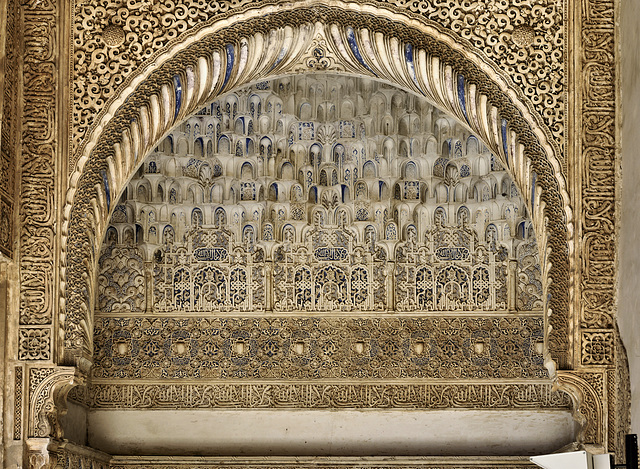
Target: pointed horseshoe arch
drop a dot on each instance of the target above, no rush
(262, 44)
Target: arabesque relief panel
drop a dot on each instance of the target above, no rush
(39, 154)
(532, 178)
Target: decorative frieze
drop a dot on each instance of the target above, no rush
(104, 395)
(598, 150)
(39, 154)
(300, 348)
(17, 403)
(9, 127)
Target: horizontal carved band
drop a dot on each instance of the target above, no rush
(301, 348)
(324, 396)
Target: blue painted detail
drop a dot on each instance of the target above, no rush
(461, 98)
(281, 55)
(408, 56)
(353, 45)
(230, 59)
(452, 253)
(504, 141)
(107, 191)
(178, 86)
(210, 254)
(331, 254)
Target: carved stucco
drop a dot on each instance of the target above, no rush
(276, 234)
(39, 157)
(48, 389)
(583, 321)
(523, 38)
(485, 121)
(9, 128)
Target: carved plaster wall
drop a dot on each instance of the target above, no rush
(533, 80)
(500, 134)
(9, 128)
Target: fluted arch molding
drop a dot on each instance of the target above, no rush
(262, 44)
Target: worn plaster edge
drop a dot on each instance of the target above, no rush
(320, 461)
(78, 450)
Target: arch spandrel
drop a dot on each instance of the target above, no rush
(190, 77)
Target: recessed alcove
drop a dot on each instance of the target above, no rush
(336, 432)
(316, 266)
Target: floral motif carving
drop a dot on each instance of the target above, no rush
(101, 65)
(313, 348)
(121, 280)
(529, 286)
(34, 344)
(597, 347)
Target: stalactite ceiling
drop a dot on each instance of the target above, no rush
(339, 203)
